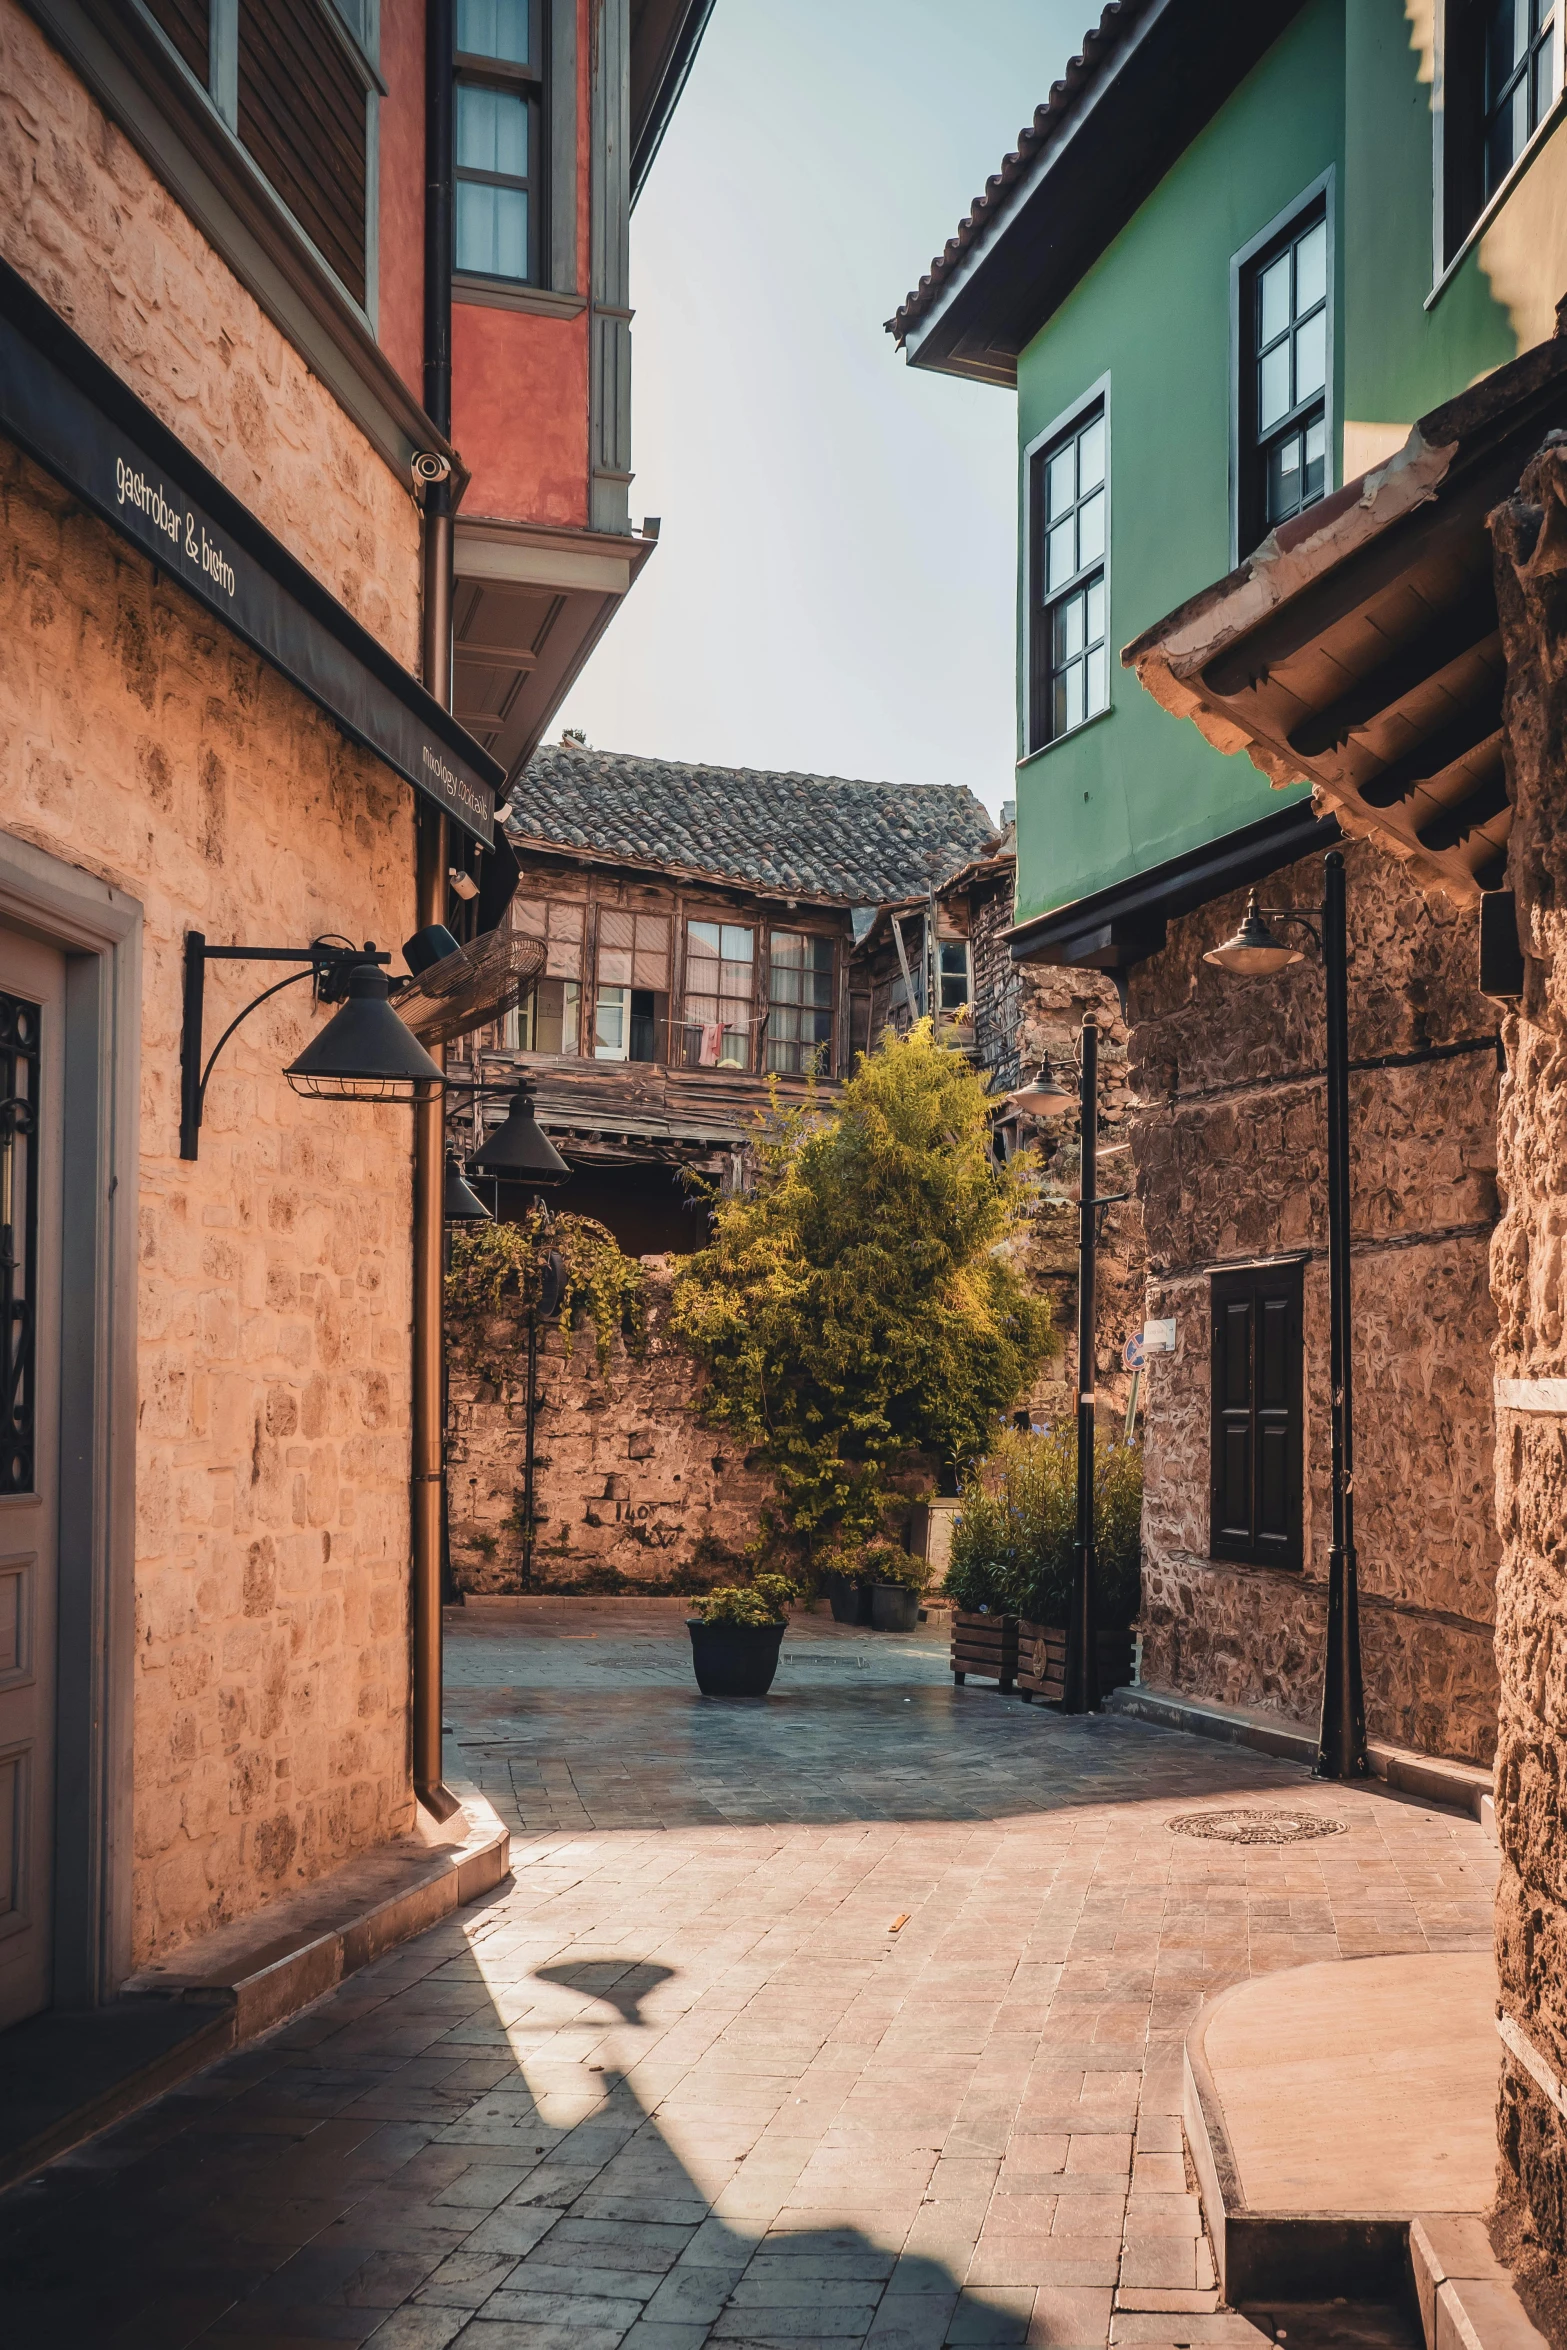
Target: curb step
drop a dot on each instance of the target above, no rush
(1466, 1787)
(64, 2077)
(1466, 2296)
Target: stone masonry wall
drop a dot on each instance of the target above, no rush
(1531, 1463)
(1229, 1141)
(141, 743)
(628, 1483)
(85, 222)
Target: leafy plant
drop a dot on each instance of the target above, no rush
(881, 1562)
(1013, 1540)
(861, 1305)
(764, 1602)
(498, 1269)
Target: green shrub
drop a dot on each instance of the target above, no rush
(1013, 1539)
(861, 1306)
(880, 1562)
(766, 1601)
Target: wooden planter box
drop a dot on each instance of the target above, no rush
(984, 1648)
(1041, 1661)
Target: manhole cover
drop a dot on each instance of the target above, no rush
(1255, 1827)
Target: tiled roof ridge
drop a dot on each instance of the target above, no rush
(631, 759)
(1082, 71)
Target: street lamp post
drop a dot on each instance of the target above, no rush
(1341, 1744)
(1081, 1695)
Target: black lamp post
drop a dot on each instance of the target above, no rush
(1341, 1745)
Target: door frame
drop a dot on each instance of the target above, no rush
(98, 929)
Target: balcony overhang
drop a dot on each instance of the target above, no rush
(529, 607)
(1359, 649)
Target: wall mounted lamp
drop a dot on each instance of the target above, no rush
(1043, 1095)
(364, 1053)
(520, 1149)
(460, 1203)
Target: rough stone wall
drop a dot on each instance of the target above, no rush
(628, 1482)
(83, 219)
(1229, 1141)
(1022, 1010)
(1531, 1460)
(141, 743)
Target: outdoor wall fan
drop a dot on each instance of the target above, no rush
(456, 989)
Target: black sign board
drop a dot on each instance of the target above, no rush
(74, 415)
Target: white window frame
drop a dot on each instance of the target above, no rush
(1444, 267)
(1096, 395)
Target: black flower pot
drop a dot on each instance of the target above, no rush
(734, 1660)
(849, 1598)
(894, 1607)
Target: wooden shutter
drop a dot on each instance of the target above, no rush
(302, 117)
(1257, 1447)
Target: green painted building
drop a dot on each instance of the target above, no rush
(1240, 250)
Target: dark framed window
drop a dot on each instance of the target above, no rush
(499, 139)
(1501, 74)
(799, 1003)
(1283, 393)
(1257, 1443)
(1069, 662)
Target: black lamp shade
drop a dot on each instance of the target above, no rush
(364, 1053)
(1254, 950)
(460, 1203)
(521, 1150)
(1044, 1095)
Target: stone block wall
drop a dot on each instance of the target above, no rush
(141, 743)
(628, 1483)
(1229, 1141)
(85, 222)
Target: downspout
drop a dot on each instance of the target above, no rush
(429, 1434)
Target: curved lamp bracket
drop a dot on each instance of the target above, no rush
(327, 961)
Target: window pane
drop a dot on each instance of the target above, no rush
(1314, 478)
(1062, 561)
(1096, 609)
(1273, 301)
(1544, 77)
(556, 1005)
(1074, 694)
(1311, 268)
(492, 230)
(1091, 529)
(1091, 455)
(1098, 680)
(492, 130)
(1507, 36)
(1273, 387)
(1284, 478)
(1063, 484)
(787, 947)
(609, 1024)
(1311, 356)
(1068, 630)
(736, 946)
(704, 938)
(494, 28)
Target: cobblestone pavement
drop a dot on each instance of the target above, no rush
(854, 2016)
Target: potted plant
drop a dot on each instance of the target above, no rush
(848, 1595)
(984, 1632)
(736, 1634)
(896, 1582)
(1024, 1501)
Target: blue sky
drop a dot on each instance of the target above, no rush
(834, 587)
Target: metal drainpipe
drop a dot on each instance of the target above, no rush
(430, 893)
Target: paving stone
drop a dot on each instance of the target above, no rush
(675, 2084)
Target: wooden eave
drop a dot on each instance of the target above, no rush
(1003, 278)
(1358, 648)
(648, 869)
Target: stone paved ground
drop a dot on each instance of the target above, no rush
(682, 2083)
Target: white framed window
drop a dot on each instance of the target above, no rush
(720, 992)
(1068, 506)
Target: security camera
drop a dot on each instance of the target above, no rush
(463, 883)
(429, 466)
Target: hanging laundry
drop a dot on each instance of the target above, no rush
(712, 1043)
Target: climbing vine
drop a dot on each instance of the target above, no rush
(499, 1269)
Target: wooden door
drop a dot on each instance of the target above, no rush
(32, 999)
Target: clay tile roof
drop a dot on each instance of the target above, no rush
(816, 836)
(1100, 44)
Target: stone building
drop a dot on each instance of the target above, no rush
(227, 477)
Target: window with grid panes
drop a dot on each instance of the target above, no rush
(631, 1016)
(1071, 676)
(499, 87)
(1501, 75)
(720, 988)
(1285, 320)
(799, 1003)
(952, 954)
